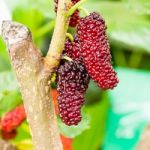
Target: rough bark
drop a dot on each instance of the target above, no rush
(33, 72)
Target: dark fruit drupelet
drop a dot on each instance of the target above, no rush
(95, 50)
(74, 19)
(13, 119)
(72, 82)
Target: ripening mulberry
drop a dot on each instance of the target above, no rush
(13, 119)
(74, 19)
(72, 82)
(72, 49)
(95, 50)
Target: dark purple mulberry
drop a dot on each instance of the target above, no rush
(72, 82)
(95, 50)
(74, 19)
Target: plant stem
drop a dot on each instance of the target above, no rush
(75, 7)
(70, 37)
(59, 36)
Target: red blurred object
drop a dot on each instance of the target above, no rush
(13, 119)
(54, 95)
(67, 142)
(8, 135)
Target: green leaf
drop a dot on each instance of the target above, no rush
(93, 93)
(23, 133)
(93, 137)
(9, 101)
(73, 131)
(139, 6)
(44, 7)
(9, 94)
(4, 59)
(7, 82)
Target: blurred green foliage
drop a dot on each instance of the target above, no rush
(128, 23)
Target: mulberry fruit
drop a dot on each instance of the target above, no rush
(95, 50)
(13, 119)
(74, 19)
(72, 49)
(72, 82)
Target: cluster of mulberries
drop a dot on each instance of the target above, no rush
(74, 19)
(11, 121)
(91, 56)
(95, 50)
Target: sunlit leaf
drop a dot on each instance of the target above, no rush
(4, 58)
(139, 6)
(9, 101)
(7, 82)
(23, 133)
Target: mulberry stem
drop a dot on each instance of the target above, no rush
(85, 11)
(75, 7)
(58, 39)
(68, 35)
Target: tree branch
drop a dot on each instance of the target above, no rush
(28, 64)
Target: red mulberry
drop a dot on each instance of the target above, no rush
(72, 49)
(13, 119)
(72, 82)
(95, 50)
(74, 19)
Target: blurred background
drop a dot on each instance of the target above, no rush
(112, 120)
